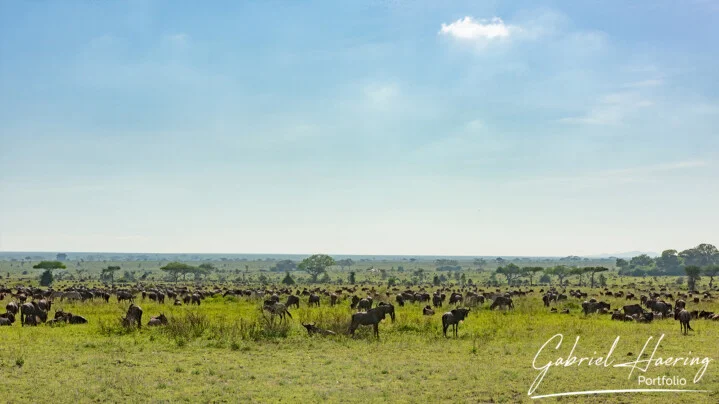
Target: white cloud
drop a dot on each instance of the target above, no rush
(470, 29)
(610, 110)
(381, 95)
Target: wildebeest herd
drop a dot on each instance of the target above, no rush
(370, 306)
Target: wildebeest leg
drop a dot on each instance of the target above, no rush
(376, 329)
(444, 329)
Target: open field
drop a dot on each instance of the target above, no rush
(226, 350)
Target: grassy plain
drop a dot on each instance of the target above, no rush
(224, 351)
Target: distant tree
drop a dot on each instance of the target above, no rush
(530, 272)
(602, 280)
(109, 273)
(577, 271)
(49, 265)
(46, 278)
(622, 263)
(500, 260)
(383, 273)
(175, 269)
(435, 281)
(693, 276)
(641, 261)
(284, 266)
(702, 255)
(352, 278)
(594, 270)
(316, 265)
(669, 263)
(345, 263)
(545, 278)
(510, 271)
(287, 280)
(561, 272)
(711, 272)
(480, 263)
(61, 257)
(463, 279)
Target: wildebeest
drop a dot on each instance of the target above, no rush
(453, 318)
(133, 316)
(683, 316)
(7, 318)
(456, 298)
(71, 296)
(312, 329)
(159, 320)
(122, 295)
(69, 317)
(196, 298)
(400, 300)
(632, 309)
(333, 299)
(12, 307)
(33, 312)
(427, 311)
(437, 300)
(278, 309)
(593, 307)
(365, 304)
(371, 317)
(502, 301)
(314, 300)
(293, 300)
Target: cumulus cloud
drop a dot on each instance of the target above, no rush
(469, 29)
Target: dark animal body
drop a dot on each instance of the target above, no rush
(452, 318)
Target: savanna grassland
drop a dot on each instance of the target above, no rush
(227, 350)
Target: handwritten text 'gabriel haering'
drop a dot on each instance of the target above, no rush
(639, 364)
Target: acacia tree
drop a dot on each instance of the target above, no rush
(47, 277)
(530, 272)
(345, 263)
(510, 271)
(711, 272)
(594, 270)
(693, 276)
(287, 280)
(560, 271)
(109, 272)
(316, 265)
(175, 269)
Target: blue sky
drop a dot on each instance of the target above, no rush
(368, 127)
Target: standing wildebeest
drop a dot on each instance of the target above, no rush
(400, 300)
(12, 307)
(30, 313)
(71, 296)
(277, 309)
(683, 316)
(632, 309)
(365, 304)
(453, 318)
(333, 299)
(437, 300)
(502, 301)
(371, 317)
(314, 300)
(196, 298)
(159, 320)
(122, 295)
(293, 300)
(7, 318)
(455, 298)
(134, 315)
(593, 307)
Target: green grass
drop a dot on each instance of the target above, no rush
(227, 351)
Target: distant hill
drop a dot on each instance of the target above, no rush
(628, 254)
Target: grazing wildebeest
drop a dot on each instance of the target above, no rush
(333, 299)
(314, 300)
(371, 317)
(502, 301)
(683, 316)
(293, 300)
(456, 298)
(44, 304)
(177, 302)
(437, 300)
(453, 318)
(122, 295)
(33, 312)
(354, 302)
(427, 311)
(71, 296)
(133, 316)
(196, 298)
(159, 320)
(312, 329)
(277, 309)
(661, 307)
(7, 318)
(12, 307)
(593, 307)
(632, 309)
(400, 300)
(365, 304)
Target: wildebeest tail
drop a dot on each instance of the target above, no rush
(288, 313)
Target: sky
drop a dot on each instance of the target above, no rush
(542, 128)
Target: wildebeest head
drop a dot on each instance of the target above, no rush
(460, 314)
(387, 309)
